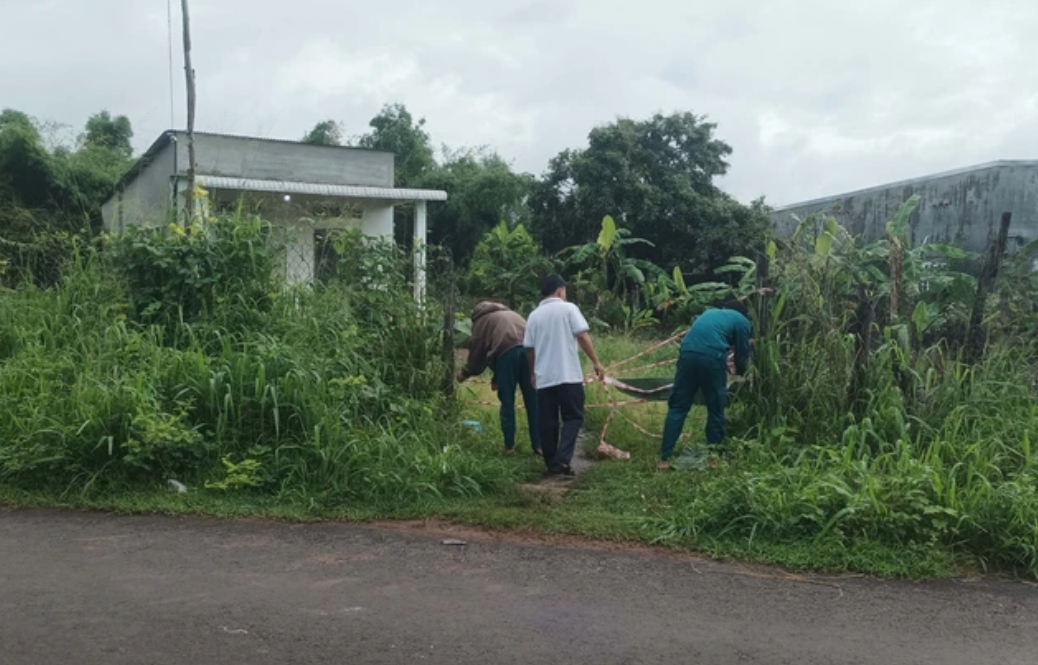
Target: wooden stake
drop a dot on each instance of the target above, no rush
(975, 337)
(449, 310)
(189, 73)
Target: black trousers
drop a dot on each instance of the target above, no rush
(565, 401)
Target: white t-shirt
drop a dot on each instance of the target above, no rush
(551, 331)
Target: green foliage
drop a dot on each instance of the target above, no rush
(604, 271)
(325, 397)
(26, 168)
(239, 476)
(183, 276)
(507, 264)
(50, 200)
(395, 130)
(868, 426)
(658, 174)
(482, 191)
(114, 134)
(326, 132)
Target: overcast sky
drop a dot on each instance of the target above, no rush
(815, 96)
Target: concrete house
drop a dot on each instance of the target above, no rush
(961, 208)
(306, 189)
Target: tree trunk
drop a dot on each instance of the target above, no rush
(975, 337)
(189, 73)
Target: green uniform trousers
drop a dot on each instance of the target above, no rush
(696, 372)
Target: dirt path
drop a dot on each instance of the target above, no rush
(95, 589)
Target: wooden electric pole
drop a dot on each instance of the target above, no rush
(189, 72)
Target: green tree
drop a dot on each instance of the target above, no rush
(27, 175)
(42, 191)
(482, 190)
(104, 131)
(508, 264)
(395, 130)
(657, 177)
(326, 132)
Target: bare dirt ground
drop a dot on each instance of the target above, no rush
(94, 589)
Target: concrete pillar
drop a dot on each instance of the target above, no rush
(419, 255)
(299, 247)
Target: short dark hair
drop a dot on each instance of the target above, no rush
(736, 305)
(551, 284)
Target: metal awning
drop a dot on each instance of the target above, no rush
(320, 189)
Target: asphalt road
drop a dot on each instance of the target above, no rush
(89, 589)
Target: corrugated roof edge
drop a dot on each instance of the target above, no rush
(911, 181)
(321, 189)
(164, 139)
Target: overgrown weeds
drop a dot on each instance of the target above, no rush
(865, 440)
(181, 356)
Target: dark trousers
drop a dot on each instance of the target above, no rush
(565, 401)
(696, 372)
(512, 371)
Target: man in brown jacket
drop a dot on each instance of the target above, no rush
(497, 343)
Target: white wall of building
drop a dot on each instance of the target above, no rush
(147, 199)
(377, 220)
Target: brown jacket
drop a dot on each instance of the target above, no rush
(496, 330)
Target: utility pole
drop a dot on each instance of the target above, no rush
(189, 72)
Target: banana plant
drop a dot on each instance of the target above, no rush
(605, 267)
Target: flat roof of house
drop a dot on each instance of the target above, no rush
(909, 182)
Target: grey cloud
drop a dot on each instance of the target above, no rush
(816, 96)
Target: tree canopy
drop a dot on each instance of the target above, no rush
(483, 191)
(395, 130)
(326, 132)
(656, 177)
(104, 131)
(61, 189)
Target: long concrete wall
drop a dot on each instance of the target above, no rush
(961, 208)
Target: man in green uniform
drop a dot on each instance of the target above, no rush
(497, 343)
(703, 366)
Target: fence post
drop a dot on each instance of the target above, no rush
(763, 267)
(976, 339)
(449, 310)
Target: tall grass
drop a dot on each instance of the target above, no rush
(109, 381)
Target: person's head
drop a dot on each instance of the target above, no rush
(485, 306)
(736, 305)
(553, 286)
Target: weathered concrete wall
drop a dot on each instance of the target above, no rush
(961, 208)
(146, 200)
(378, 220)
(240, 157)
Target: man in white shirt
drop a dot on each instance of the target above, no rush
(553, 332)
